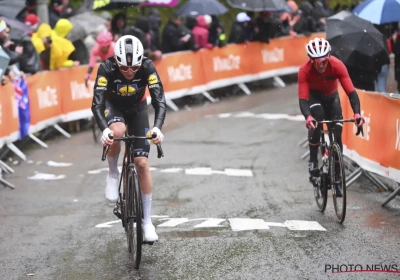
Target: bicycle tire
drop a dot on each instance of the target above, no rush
(335, 184)
(134, 207)
(321, 193)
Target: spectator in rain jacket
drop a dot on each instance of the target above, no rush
(143, 24)
(201, 32)
(53, 49)
(217, 35)
(173, 39)
(239, 29)
(118, 24)
(155, 24)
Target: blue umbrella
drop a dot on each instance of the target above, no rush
(379, 11)
(202, 7)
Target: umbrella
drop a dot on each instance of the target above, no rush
(379, 11)
(84, 24)
(18, 29)
(356, 41)
(160, 3)
(202, 7)
(260, 5)
(12, 8)
(115, 4)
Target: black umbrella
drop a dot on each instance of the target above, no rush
(18, 29)
(202, 7)
(356, 41)
(115, 4)
(260, 5)
(12, 8)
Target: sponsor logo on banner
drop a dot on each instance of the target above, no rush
(180, 73)
(79, 91)
(232, 62)
(153, 79)
(47, 98)
(275, 55)
(366, 126)
(397, 147)
(102, 81)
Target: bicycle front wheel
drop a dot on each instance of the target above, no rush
(134, 207)
(337, 181)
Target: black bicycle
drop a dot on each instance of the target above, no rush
(331, 172)
(129, 207)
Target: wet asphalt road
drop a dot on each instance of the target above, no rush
(48, 228)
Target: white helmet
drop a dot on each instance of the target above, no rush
(318, 47)
(125, 45)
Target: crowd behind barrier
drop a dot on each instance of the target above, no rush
(61, 96)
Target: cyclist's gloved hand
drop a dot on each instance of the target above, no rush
(105, 140)
(311, 123)
(160, 136)
(359, 120)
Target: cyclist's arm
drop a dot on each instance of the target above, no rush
(99, 98)
(304, 93)
(92, 60)
(348, 87)
(157, 94)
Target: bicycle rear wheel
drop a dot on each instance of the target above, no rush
(338, 181)
(134, 207)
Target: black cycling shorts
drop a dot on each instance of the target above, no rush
(325, 107)
(137, 123)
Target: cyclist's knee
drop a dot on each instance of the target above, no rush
(118, 128)
(142, 164)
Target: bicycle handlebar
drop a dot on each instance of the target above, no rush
(160, 152)
(359, 128)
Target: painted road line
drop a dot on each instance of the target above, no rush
(44, 176)
(238, 224)
(238, 172)
(265, 116)
(303, 225)
(171, 170)
(198, 171)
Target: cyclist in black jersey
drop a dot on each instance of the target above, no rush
(119, 102)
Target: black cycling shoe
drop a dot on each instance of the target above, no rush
(313, 168)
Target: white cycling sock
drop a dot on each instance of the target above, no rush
(146, 199)
(113, 167)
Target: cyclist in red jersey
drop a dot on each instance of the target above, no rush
(319, 98)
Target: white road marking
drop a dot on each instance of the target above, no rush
(205, 171)
(238, 172)
(303, 225)
(265, 116)
(58, 164)
(238, 224)
(44, 176)
(171, 170)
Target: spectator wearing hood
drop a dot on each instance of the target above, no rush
(201, 32)
(239, 29)
(53, 49)
(155, 24)
(143, 24)
(80, 54)
(172, 38)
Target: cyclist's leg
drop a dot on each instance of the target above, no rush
(139, 125)
(334, 111)
(314, 136)
(116, 123)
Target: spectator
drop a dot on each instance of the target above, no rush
(90, 40)
(118, 24)
(306, 23)
(155, 24)
(172, 39)
(201, 32)
(80, 55)
(239, 29)
(217, 35)
(12, 50)
(59, 9)
(143, 24)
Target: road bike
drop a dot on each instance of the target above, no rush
(331, 172)
(129, 207)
